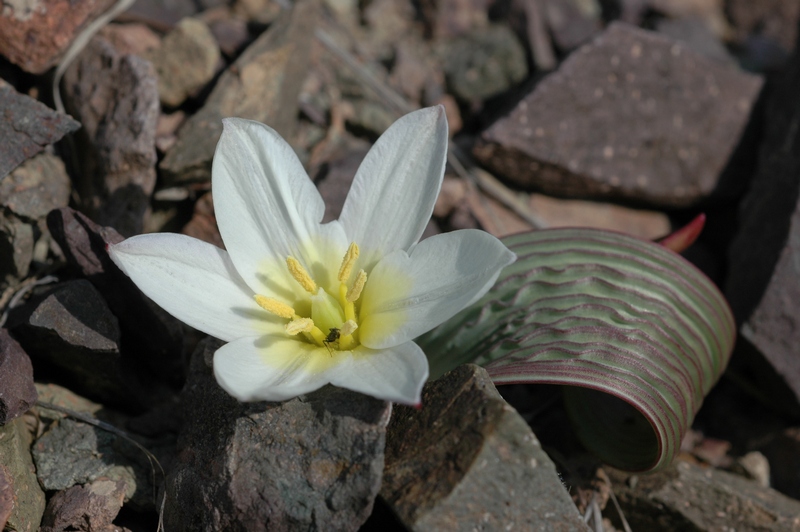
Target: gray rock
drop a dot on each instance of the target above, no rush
(764, 257)
(630, 115)
(71, 453)
(572, 22)
(310, 463)
(483, 64)
(467, 460)
(186, 61)
(6, 495)
(70, 333)
(153, 338)
(116, 99)
(694, 31)
(261, 85)
(27, 127)
(17, 392)
(15, 458)
(90, 508)
(36, 187)
(688, 497)
(16, 244)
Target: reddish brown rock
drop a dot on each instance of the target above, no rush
(631, 115)
(90, 508)
(17, 392)
(116, 99)
(34, 34)
(27, 127)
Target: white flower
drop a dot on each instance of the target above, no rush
(302, 303)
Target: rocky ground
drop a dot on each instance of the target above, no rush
(628, 115)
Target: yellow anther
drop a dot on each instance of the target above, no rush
(275, 307)
(358, 285)
(348, 328)
(301, 275)
(348, 262)
(304, 325)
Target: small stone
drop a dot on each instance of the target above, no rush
(90, 508)
(185, 62)
(135, 38)
(572, 22)
(452, 194)
(17, 392)
(455, 18)
(231, 35)
(35, 34)
(783, 455)
(36, 187)
(27, 496)
(484, 63)
(310, 463)
(688, 497)
(203, 224)
(607, 125)
(116, 99)
(466, 458)
(161, 14)
(70, 453)
(28, 126)
(261, 85)
(153, 338)
(755, 466)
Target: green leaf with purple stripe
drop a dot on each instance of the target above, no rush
(637, 335)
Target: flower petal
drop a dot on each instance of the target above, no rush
(396, 374)
(408, 295)
(266, 206)
(277, 367)
(271, 368)
(195, 282)
(395, 188)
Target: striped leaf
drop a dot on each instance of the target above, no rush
(637, 335)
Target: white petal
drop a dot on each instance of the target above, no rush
(395, 188)
(272, 368)
(396, 374)
(267, 208)
(408, 295)
(278, 367)
(195, 282)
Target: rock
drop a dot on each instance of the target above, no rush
(579, 213)
(695, 33)
(755, 466)
(28, 126)
(341, 169)
(17, 392)
(168, 125)
(90, 508)
(135, 38)
(467, 459)
(116, 99)
(688, 497)
(606, 124)
(483, 64)
(153, 338)
(16, 243)
(451, 195)
(261, 85)
(494, 217)
(231, 34)
(72, 336)
(160, 14)
(15, 459)
(35, 34)
(70, 453)
(415, 73)
(454, 18)
(36, 187)
(6, 496)
(764, 257)
(310, 463)
(776, 20)
(783, 454)
(203, 224)
(185, 62)
(710, 11)
(572, 22)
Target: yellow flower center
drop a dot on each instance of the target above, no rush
(334, 319)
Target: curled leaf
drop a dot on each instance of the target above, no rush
(637, 335)
(680, 240)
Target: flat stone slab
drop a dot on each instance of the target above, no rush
(631, 115)
(467, 457)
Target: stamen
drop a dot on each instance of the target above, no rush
(301, 275)
(317, 335)
(304, 325)
(348, 262)
(348, 328)
(275, 307)
(358, 285)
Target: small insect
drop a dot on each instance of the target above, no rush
(333, 336)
